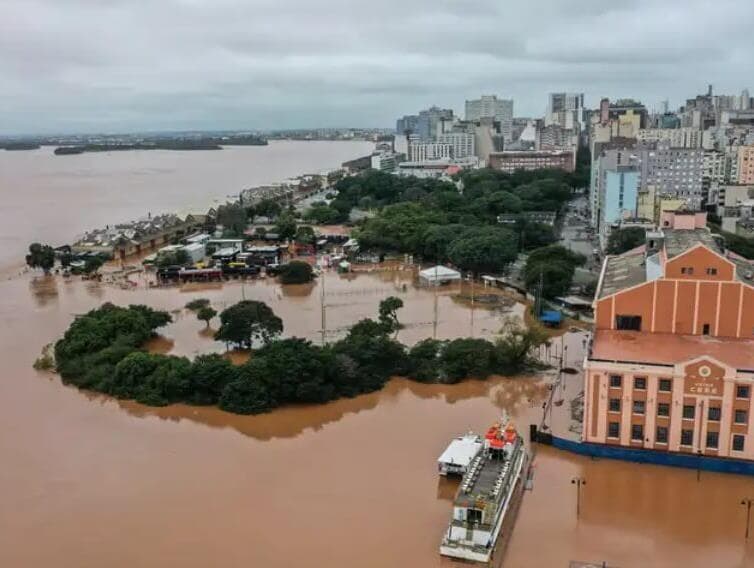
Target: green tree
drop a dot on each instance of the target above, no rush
(468, 358)
(210, 374)
(205, 314)
(324, 214)
(285, 226)
(486, 249)
(424, 361)
(305, 235)
(296, 272)
(93, 264)
(41, 256)
(197, 304)
(388, 313)
(247, 394)
(554, 266)
(267, 207)
(623, 240)
(517, 343)
(248, 321)
(233, 218)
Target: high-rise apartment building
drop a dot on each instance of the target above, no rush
(427, 124)
(461, 143)
(489, 106)
(746, 165)
(567, 110)
(674, 172)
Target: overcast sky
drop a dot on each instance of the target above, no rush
(118, 65)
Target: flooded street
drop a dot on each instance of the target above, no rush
(90, 481)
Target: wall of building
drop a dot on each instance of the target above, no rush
(700, 384)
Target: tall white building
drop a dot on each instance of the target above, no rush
(461, 143)
(489, 106)
(425, 151)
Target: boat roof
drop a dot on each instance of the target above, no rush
(461, 450)
(483, 484)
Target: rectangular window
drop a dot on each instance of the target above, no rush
(714, 413)
(687, 437)
(740, 417)
(638, 407)
(712, 439)
(738, 442)
(665, 385)
(626, 323)
(616, 381)
(662, 435)
(663, 409)
(614, 405)
(712, 271)
(637, 432)
(742, 391)
(688, 411)
(613, 430)
(640, 383)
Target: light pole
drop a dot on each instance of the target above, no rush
(748, 503)
(578, 482)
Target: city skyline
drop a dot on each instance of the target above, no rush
(81, 66)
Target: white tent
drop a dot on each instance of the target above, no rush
(438, 275)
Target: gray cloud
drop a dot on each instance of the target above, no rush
(113, 65)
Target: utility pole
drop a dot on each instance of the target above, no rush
(748, 503)
(578, 482)
(434, 319)
(322, 310)
(472, 304)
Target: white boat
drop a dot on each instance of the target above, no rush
(485, 495)
(458, 455)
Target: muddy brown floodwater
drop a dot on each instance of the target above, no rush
(88, 481)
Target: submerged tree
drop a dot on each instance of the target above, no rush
(205, 314)
(248, 321)
(41, 256)
(388, 313)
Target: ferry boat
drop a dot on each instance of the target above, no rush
(485, 495)
(459, 454)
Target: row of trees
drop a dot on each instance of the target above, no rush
(102, 351)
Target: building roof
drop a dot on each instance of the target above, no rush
(623, 271)
(629, 269)
(440, 272)
(670, 348)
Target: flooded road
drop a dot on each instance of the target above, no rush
(87, 481)
(54, 199)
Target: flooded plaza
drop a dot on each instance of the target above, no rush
(91, 481)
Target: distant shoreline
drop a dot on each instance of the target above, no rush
(178, 145)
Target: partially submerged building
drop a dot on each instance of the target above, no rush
(671, 366)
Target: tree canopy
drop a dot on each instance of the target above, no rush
(41, 256)
(623, 240)
(247, 322)
(554, 266)
(101, 351)
(296, 272)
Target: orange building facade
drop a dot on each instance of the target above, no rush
(671, 364)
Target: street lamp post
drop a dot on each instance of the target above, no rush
(578, 482)
(748, 503)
